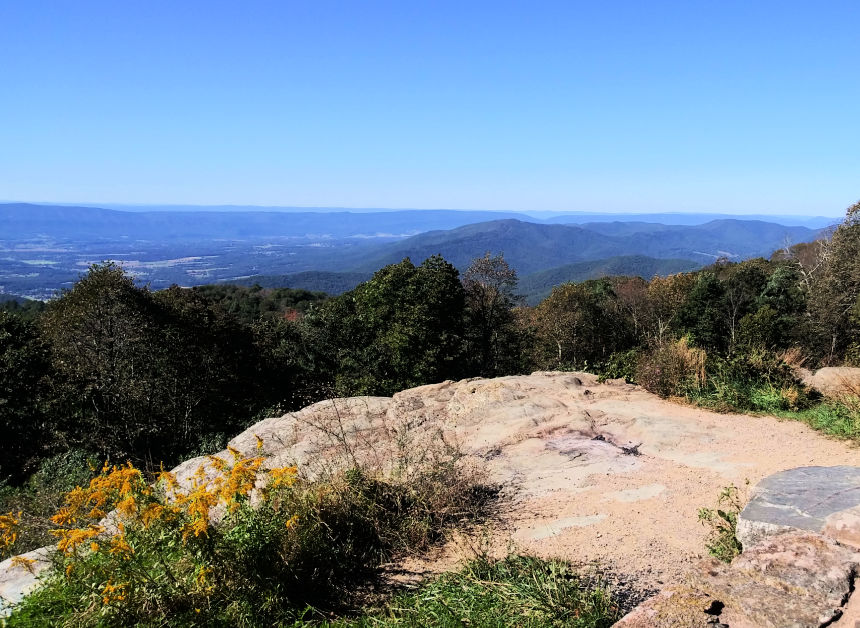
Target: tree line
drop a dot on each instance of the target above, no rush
(124, 372)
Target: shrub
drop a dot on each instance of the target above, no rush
(621, 364)
(757, 381)
(242, 544)
(722, 542)
(35, 501)
(672, 369)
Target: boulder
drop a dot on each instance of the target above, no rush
(675, 607)
(791, 580)
(825, 500)
(833, 381)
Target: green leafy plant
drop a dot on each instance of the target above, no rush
(722, 521)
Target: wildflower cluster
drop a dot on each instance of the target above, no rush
(8, 531)
(127, 548)
(235, 543)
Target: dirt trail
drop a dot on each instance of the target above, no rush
(603, 473)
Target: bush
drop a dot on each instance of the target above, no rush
(722, 542)
(241, 545)
(35, 501)
(621, 364)
(672, 369)
(758, 381)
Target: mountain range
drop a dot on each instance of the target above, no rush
(45, 248)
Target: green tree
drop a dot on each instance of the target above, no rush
(666, 299)
(493, 340)
(703, 314)
(24, 366)
(581, 324)
(400, 329)
(148, 376)
(835, 296)
(105, 352)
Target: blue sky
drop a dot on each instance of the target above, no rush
(605, 106)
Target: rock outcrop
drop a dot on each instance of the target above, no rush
(796, 569)
(19, 575)
(592, 472)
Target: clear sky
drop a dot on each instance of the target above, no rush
(732, 106)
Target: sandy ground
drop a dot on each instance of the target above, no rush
(555, 443)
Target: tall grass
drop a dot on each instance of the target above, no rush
(517, 591)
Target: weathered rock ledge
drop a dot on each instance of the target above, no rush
(798, 567)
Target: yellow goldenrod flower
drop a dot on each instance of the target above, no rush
(151, 513)
(71, 539)
(168, 478)
(282, 476)
(119, 547)
(8, 530)
(63, 517)
(127, 507)
(217, 463)
(113, 593)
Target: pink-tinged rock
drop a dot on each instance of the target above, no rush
(676, 607)
(792, 580)
(844, 526)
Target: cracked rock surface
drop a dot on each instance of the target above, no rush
(796, 569)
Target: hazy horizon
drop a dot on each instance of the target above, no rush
(329, 209)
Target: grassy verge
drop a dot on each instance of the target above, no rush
(834, 418)
(517, 591)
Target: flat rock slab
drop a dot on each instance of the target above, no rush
(825, 500)
(592, 472)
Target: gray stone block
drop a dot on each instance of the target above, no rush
(825, 500)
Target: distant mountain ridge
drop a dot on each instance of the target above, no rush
(45, 248)
(530, 247)
(543, 216)
(21, 220)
